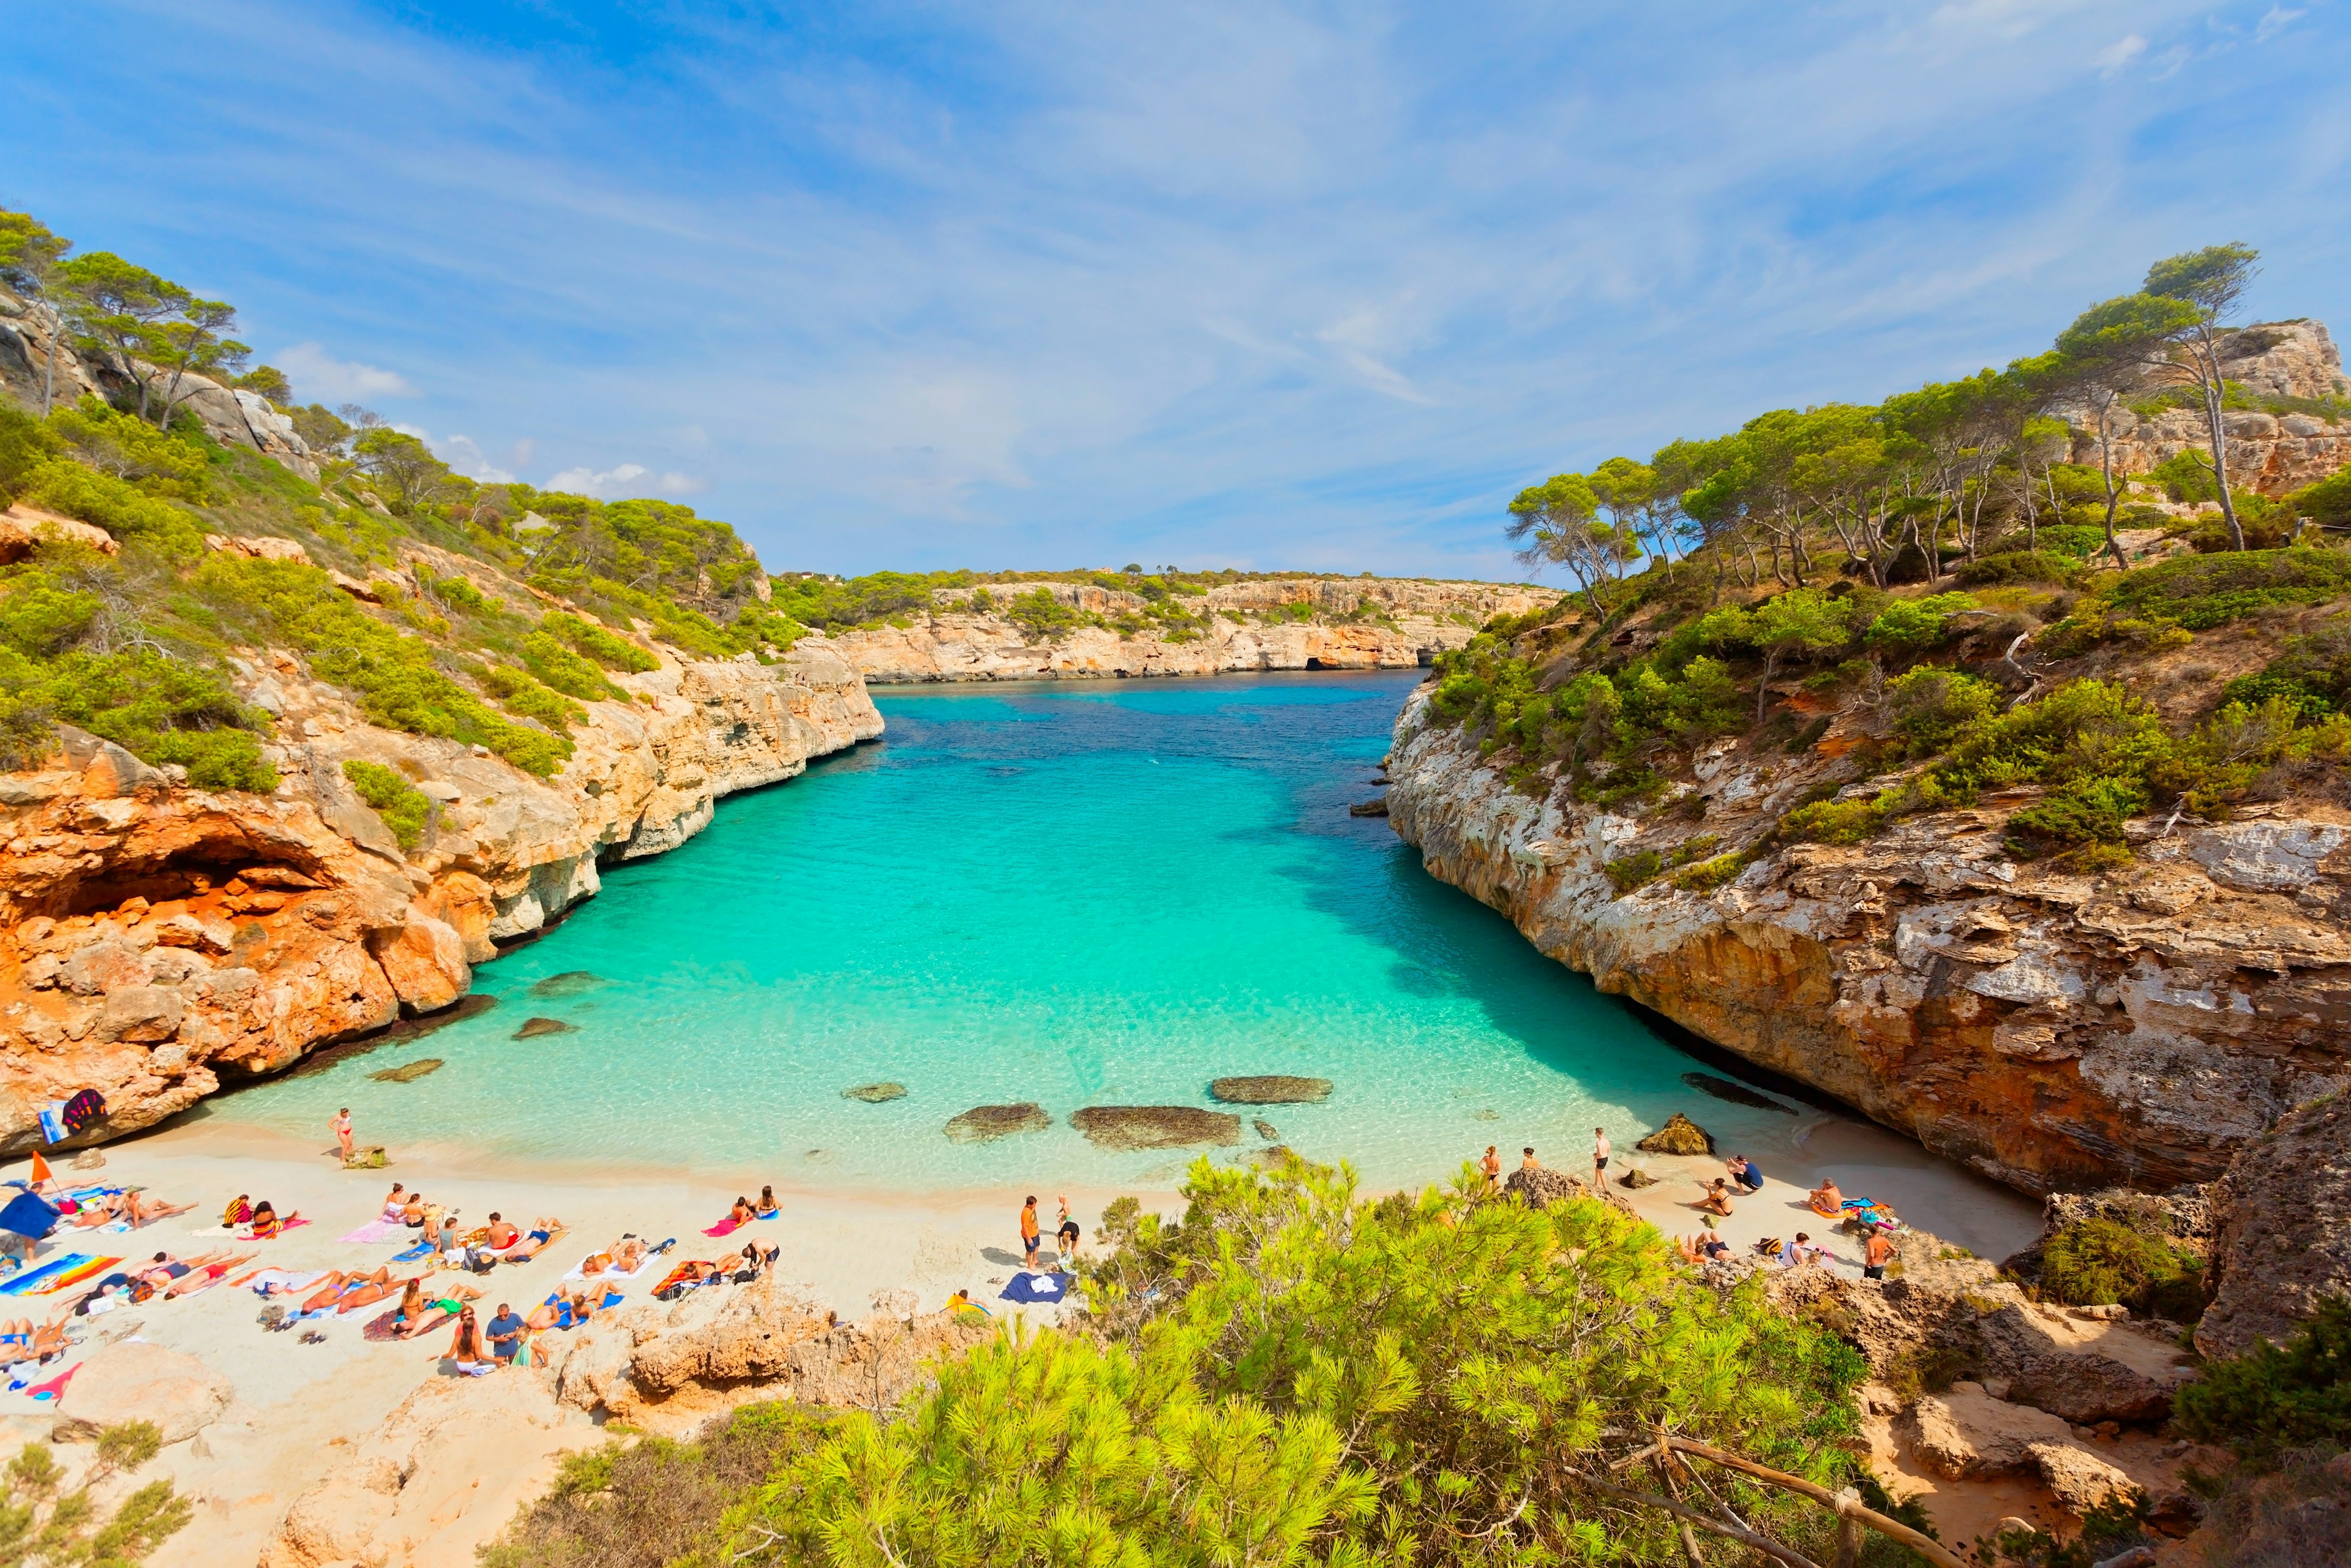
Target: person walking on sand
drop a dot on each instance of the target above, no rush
(1875, 1254)
(1492, 1165)
(342, 1129)
(1599, 1157)
(1029, 1229)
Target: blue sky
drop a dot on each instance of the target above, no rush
(1258, 284)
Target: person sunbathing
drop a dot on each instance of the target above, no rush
(499, 1234)
(102, 1210)
(1718, 1199)
(1826, 1200)
(337, 1285)
(140, 1211)
(366, 1292)
(742, 1213)
(205, 1275)
(394, 1202)
(49, 1341)
(542, 1231)
(623, 1257)
(961, 1302)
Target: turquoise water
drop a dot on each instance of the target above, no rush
(1079, 893)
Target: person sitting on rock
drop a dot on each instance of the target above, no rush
(1717, 1200)
(1746, 1173)
(1826, 1200)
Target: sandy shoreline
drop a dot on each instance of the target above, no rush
(296, 1404)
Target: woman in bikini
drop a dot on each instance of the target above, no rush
(394, 1202)
(768, 1204)
(1718, 1199)
(742, 1213)
(336, 1285)
(207, 1274)
(467, 1349)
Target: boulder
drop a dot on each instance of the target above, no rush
(1378, 808)
(1679, 1135)
(1155, 1126)
(2282, 1238)
(2084, 1365)
(2077, 1479)
(1636, 1178)
(424, 960)
(1270, 1089)
(260, 547)
(1734, 1093)
(135, 1381)
(1965, 1433)
(1541, 1188)
(408, 1072)
(533, 1028)
(986, 1123)
(875, 1093)
(23, 528)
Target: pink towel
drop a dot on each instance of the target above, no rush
(376, 1230)
(55, 1385)
(726, 1226)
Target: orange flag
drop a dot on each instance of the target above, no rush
(40, 1167)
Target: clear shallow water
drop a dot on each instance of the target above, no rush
(1079, 893)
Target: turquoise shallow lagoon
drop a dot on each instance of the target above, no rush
(1096, 892)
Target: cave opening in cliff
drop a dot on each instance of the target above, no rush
(187, 873)
(1316, 665)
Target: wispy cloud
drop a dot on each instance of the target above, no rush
(2275, 21)
(317, 376)
(1034, 282)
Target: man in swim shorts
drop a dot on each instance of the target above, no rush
(1599, 1157)
(1029, 1229)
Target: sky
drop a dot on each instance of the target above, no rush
(1259, 285)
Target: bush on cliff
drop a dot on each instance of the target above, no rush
(2097, 1262)
(2276, 1397)
(1292, 1373)
(402, 805)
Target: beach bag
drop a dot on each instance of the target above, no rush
(83, 1109)
(481, 1260)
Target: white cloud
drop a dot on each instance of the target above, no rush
(417, 430)
(2118, 55)
(672, 483)
(2274, 23)
(604, 483)
(319, 377)
(466, 457)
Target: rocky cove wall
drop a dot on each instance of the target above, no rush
(1393, 624)
(154, 939)
(2054, 1031)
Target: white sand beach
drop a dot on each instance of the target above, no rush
(297, 1408)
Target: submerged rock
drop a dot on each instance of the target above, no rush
(1679, 1135)
(569, 983)
(875, 1093)
(408, 1072)
(1273, 1089)
(1155, 1126)
(533, 1028)
(1265, 1130)
(1378, 808)
(986, 1123)
(1736, 1093)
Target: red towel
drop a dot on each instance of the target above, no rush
(726, 1226)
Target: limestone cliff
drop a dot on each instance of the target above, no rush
(154, 939)
(2053, 1029)
(1278, 623)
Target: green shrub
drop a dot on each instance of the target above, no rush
(526, 696)
(2202, 591)
(2087, 810)
(1907, 627)
(2328, 502)
(2098, 1261)
(402, 805)
(120, 507)
(2274, 1397)
(2313, 672)
(23, 443)
(1708, 876)
(566, 671)
(2025, 566)
(1633, 871)
(1041, 615)
(613, 652)
(1836, 822)
(1932, 706)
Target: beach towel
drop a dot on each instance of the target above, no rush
(282, 1281)
(417, 1253)
(726, 1226)
(644, 1263)
(26, 1282)
(376, 1231)
(563, 1305)
(55, 1385)
(73, 1276)
(678, 1275)
(1034, 1287)
(380, 1329)
(28, 1214)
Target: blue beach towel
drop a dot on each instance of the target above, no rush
(51, 1269)
(421, 1251)
(1027, 1286)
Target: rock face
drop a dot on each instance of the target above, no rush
(2052, 1030)
(986, 1123)
(1155, 1126)
(1355, 623)
(135, 1381)
(153, 938)
(1733, 1093)
(2269, 453)
(2283, 1233)
(669, 1368)
(1270, 1089)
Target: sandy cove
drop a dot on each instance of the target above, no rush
(300, 1412)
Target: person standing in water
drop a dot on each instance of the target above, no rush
(342, 1129)
(1492, 1165)
(1599, 1157)
(1029, 1229)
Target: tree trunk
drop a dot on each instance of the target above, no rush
(49, 365)
(2107, 472)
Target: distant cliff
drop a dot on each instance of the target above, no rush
(1271, 623)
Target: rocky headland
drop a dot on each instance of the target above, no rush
(1262, 624)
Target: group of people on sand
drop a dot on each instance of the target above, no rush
(1066, 1234)
(1746, 1177)
(254, 1222)
(1490, 1167)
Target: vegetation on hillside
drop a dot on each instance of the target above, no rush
(1935, 572)
(1291, 1375)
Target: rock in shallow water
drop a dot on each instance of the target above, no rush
(1155, 1126)
(1273, 1089)
(533, 1028)
(1679, 1135)
(1265, 1130)
(569, 983)
(875, 1094)
(986, 1123)
(1636, 1178)
(408, 1072)
(1736, 1093)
